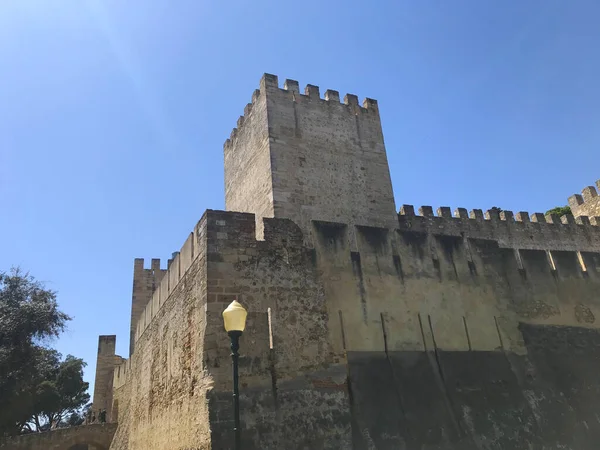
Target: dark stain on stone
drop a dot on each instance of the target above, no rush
(312, 256)
(376, 238)
(449, 245)
(398, 266)
(416, 241)
(472, 268)
(357, 270)
(436, 266)
(331, 235)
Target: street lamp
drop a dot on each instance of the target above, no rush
(234, 317)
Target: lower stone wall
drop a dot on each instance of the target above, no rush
(440, 343)
(481, 400)
(467, 400)
(299, 414)
(92, 437)
(120, 414)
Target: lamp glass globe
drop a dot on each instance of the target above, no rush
(234, 317)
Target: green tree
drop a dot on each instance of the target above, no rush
(559, 210)
(59, 391)
(37, 388)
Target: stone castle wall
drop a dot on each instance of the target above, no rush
(181, 365)
(448, 319)
(293, 381)
(411, 322)
(160, 392)
(586, 204)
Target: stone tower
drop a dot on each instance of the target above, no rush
(106, 362)
(587, 203)
(304, 158)
(145, 282)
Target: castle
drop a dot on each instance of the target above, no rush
(367, 328)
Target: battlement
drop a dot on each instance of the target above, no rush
(240, 122)
(520, 230)
(587, 203)
(140, 264)
(145, 282)
(120, 373)
(107, 344)
(311, 93)
(176, 269)
(155, 266)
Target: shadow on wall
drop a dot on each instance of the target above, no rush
(478, 399)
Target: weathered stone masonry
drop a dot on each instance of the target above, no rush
(586, 204)
(366, 328)
(145, 282)
(306, 158)
(106, 363)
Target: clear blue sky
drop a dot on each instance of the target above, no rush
(113, 114)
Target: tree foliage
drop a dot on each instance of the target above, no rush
(559, 210)
(37, 388)
(58, 392)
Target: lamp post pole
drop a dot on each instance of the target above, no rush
(234, 319)
(235, 346)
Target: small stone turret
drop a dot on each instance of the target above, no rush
(145, 282)
(106, 362)
(586, 204)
